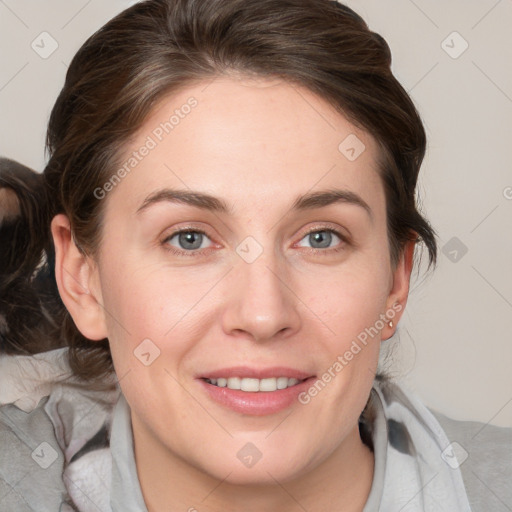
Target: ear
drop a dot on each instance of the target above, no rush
(399, 292)
(78, 283)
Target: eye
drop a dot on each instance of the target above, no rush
(321, 239)
(189, 240)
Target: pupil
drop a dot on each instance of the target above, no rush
(191, 240)
(320, 239)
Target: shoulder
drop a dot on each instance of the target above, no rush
(484, 452)
(48, 430)
(31, 460)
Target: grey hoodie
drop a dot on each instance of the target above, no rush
(72, 449)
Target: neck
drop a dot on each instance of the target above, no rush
(340, 482)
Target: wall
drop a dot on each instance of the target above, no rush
(454, 344)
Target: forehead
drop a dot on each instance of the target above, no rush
(250, 140)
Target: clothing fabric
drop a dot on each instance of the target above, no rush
(64, 448)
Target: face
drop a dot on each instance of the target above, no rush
(248, 240)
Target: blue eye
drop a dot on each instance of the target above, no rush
(190, 240)
(321, 239)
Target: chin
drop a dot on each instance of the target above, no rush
(248, 467)
(262, 476)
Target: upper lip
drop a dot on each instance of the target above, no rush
(256, 373)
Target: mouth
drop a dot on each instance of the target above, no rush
(255, 392)
(253, 385)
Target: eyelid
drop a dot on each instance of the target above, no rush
(183, 228)
(171, 233)
(346, 239)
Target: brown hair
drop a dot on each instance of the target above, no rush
(157, 47)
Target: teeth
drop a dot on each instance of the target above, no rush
(282, 382)
(269, 384)
(254, 385)
(234, 383)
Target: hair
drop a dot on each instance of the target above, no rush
(155, 48)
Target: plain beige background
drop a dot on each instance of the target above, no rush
(454, 343)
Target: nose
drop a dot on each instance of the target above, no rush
(262, 305)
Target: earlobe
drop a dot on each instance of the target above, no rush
(397, 298)
(75, 275)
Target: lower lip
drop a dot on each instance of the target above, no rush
(258, 403)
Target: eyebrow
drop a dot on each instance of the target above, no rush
(204, 201)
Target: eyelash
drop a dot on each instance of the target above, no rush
(194, 253)
(178, 252)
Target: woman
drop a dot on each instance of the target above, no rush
(228, 213)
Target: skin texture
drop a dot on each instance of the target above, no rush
(257, 145)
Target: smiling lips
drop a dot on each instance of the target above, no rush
(253, 379)
(254, 385)
(255, 391)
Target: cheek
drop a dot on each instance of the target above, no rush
(349, 303)
(349, 298)
(153, 302)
